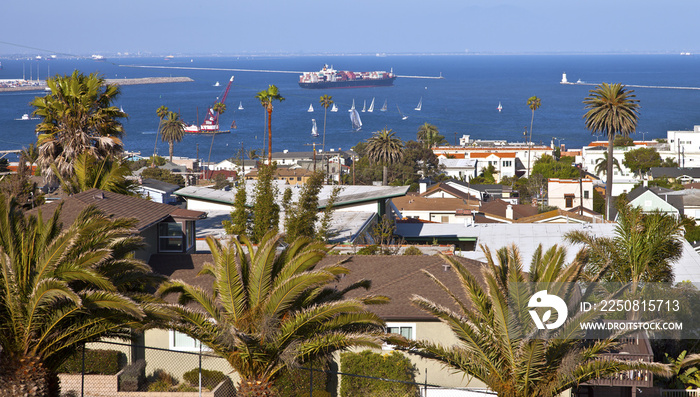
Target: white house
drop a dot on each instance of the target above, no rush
(462, 169)
(570, 193)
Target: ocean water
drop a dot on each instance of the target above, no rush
(464, 102)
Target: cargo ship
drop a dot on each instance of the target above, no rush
(328, 77)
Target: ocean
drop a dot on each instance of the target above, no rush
(463, 103)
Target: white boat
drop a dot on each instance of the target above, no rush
(311, 108)
(240, 105)
(371, 106)
(420, 104)
(355, 119)
(314, 129)
(383, 109)
(217, 84)
(402, 115)
(499, 107)
(353, 106)
(26, 117)
(334, 108)
(364, 106)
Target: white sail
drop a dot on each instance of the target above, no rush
(311, 108)
(334, 108)
(356, 121)
(364, 106)
(499, 107)
(216, 84)
(314, 129)
(402, 115)
(353, 106)
(420, 104)
(383, 109)
(371, 106)
(240, 106)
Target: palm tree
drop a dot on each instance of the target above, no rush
(601, 166)
(108, 174)
(218, 108)
(498, 342)
(326, 102)
(30, 154)
(533, 103)
(77, 117)
(172, 130)
(266, 97)
(62, 288)
(384, 148)
(162, 113)
(612, 110)
(270, 310)
(429, 135)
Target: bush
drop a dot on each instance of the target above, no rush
(412, 250)
(210, 378)
(133, 376)
(161, 381)
(295, 383)
(369, 250)
(103, 362)
(389, 366)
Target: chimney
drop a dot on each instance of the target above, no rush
(509, 211)
(422, 187)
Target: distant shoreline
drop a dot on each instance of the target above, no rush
(143, 80)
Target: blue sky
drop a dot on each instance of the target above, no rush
(331, 26)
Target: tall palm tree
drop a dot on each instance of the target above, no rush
(270, 310)
(162, 113)
(533, 103)
(172, 130)
(266, 97)
(429, 135)
(61, 288)
(498, 342)
(30, 154)
(601, 166)
(326, 102)
(612, 109)
(384, 148)
(108, 174)
(77, 116)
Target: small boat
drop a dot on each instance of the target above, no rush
(216, 84)
(240, 106)
(420, 104)
(334, 108)
(26, 117)
(364, 106)
(403, 117)
(371, 106)
(383, 109)
(499, 107)
(353, 106)
(355, 120)
(314, 129)
(233, 125)
(311, 108)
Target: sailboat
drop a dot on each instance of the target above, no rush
(314, 129)
(402, 115)
(383, 109)
(371, 106)
(353, 106)
(364, 106)
(217, 84)
(499, 107)
(311, 108)
(334, 108)
(420, 104)
(240, 106)
(355, 119)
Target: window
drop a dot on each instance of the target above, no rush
(190, 234)
(585, 194)
(407, 330)
(170, 237)
(445, 219)
(507, 163)
(569, 200)
(182, 342)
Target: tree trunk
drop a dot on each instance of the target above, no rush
(27, 377)
(385, 175)
(256, 388)
(609, 175)
(172, 145)
(269, 134)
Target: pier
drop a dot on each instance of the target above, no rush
(41, 86)
(637, 86)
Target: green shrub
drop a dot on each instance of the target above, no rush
(412, 250)
(133, 376)
(210, 378)
(103, 362)
(160, 380)
(295, 383)
(369, 250)
(394, 366)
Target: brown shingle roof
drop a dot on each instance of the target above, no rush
(413, 203)
(498, 207)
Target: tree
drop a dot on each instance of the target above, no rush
(270, 311)
(384, 148)
(641, 160)
(429, 135)
(162, 113)
(172, 130)
(326, 101)
(218, 108)
(549, 167)
(108, 174)
(301, 217)
(62, 288)
(601, 166)
(266, 212)
(164, 175)
(498, 342)
(77, 117)
(612, 110)
(266, 97)
(240, 215)
(30, 155)
(533, 103)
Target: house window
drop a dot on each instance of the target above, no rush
(569, 200)
(182, 342)
(507, 163)
(585, 194)
(190, 234)
(170, 237)
(407, 330)
(445, 219)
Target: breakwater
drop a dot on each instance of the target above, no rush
(41, 86)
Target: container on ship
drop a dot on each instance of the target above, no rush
(328, 77)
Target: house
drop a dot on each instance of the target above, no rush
(682, 175)
(164, 228)
(438, 209)
(290, 176)
(462, 169)
(682, 146)
(567, 193)
(655, 199)
(157, 191)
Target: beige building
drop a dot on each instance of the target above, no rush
(569, 193)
